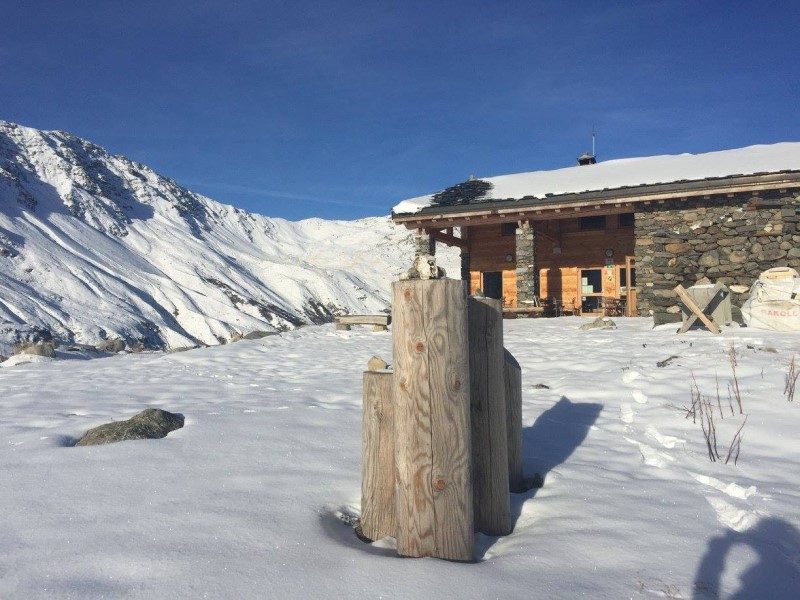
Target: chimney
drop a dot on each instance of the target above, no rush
(587, 159)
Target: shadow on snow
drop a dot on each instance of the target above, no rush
(546, 444)
(776, 574)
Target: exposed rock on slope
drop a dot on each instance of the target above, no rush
(95, 247)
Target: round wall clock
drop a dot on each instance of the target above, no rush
(610, 252)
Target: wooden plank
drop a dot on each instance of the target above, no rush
(698, 312)
(512, 377)
(432, 443)
(378, 510)
(488, 410)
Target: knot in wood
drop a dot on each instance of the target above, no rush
(457, 385)
(407, 294)
(420, 347)
(403, 384)
(440, 484)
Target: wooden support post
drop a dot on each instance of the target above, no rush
(512, 376)
(378, 512)
(432, 421)
(488, 409)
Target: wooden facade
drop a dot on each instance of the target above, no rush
(581, 251)
(564, 248)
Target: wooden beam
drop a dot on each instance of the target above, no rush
(447, 238)
(697, 310)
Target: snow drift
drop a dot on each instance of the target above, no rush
(95, 246)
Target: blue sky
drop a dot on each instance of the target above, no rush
(341, 109)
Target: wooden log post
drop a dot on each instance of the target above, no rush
(378, 512)
(488, 411)
(512, 377)
(432, 421)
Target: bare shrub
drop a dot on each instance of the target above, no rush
(702, 409)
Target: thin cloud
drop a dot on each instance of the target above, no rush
(256, 191)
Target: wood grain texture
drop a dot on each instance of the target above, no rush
(432, 443)
(451, 473)
(512, 377)
(488, 416)
(378, 510)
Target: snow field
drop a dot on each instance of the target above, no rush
(243, 501)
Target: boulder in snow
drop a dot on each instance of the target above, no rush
(376, 363)
(599, 323)
(46, 349)
(152, 423)
(111, 345)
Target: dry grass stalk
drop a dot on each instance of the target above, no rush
(732, 358)
(791, 379)
(736, 444)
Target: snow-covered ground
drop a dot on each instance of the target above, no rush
(243, 501)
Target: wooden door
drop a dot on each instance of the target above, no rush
(630, 281)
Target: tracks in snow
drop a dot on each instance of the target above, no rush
(733, 504)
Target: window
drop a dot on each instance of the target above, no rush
(623, 278)
(591, 281)
(593, 223)
(626, 220)
(508, 228)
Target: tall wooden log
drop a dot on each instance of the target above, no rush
(378, 512)
(512, 377)
(432, 424)
(488, 409)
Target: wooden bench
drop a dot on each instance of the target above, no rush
(378, 322)
(526, 311)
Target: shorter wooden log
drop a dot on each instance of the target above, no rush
(378, 508)
(342, 327)
(512, 376)
(488, 411)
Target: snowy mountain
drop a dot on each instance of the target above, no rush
(95, 246)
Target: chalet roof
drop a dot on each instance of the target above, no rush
(657, 171)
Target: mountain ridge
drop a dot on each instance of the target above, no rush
(97, 246)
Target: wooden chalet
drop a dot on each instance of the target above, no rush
(616, 237)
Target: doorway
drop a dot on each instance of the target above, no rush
(627, 286)
(493, 284)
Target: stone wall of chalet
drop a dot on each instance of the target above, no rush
(731, 240)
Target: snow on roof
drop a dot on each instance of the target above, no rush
(634, 171)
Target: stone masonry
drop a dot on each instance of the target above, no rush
(424, 243)
(527, 273)
(727, 239)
